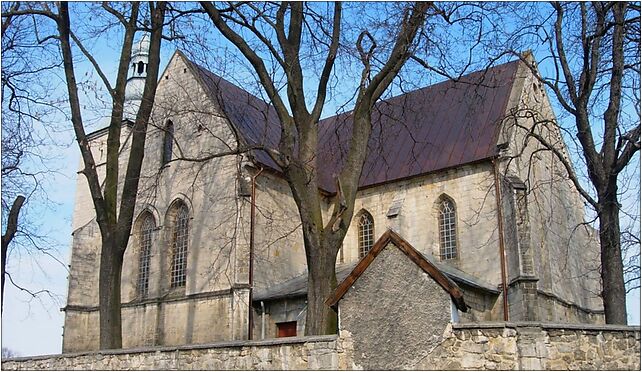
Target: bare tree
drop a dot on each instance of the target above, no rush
(25, 57)
(594, 53)
(10, 232)
(114, 209)
(284, 32)
(8, 353)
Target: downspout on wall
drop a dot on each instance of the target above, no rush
(262, 320)
(251, 269)
(500, 227)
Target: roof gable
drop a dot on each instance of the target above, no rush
(391, 237)
(298, 286)
(254, 121)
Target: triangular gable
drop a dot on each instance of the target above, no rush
(415, 256)
(253, 121)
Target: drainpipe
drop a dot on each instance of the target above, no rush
(262, 321)
(250, 279)
(500, 226)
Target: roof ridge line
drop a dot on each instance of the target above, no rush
(390, 236)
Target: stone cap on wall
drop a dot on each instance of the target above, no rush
(211, 345)
(544, 325)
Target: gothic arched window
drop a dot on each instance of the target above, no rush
(141, 67)
(168, 142)
(180, 236)
(144, 253)
(366, 233)
(447, 229)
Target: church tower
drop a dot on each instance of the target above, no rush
(136, 77)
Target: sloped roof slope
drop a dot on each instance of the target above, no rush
(298, 286)
(433, 128)
(438, 127)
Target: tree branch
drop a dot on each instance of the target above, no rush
(632, 146)
(558, 154)
(12, 223)
(559, 41)
(93, 63)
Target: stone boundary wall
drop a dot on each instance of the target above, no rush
(296, 353)
(535, 346)
(465, 346)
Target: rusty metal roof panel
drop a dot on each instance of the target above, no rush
(437, 127)
(441, 126)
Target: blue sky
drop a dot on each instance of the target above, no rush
(34, 326)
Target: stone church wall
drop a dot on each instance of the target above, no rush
(213, 304)
(178, 322)
(486, 346)
(279, 252)
(549, 248)
(471, 189)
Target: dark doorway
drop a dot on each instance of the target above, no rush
(286, 329)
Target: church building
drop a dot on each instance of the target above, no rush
(451, 168)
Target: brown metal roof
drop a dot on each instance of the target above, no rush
(437, 127)
(433, 128)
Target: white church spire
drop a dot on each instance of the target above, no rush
(136, 77)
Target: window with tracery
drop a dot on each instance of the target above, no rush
(145, 252)
(447, 230)
(180, 237)
(168, 142)
(366, 233)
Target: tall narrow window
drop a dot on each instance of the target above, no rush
(366, 233)
(180, 236)
(168, 142)
(447, 230)
(145, 251)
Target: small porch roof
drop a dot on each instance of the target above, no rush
(298, 286)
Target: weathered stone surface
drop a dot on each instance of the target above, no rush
(284, 354)
(395, 312)
(533, 346)
(462, 348)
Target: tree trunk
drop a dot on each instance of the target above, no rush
(613, 290)
(111, 263)
(12, 228)
(322, 280)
